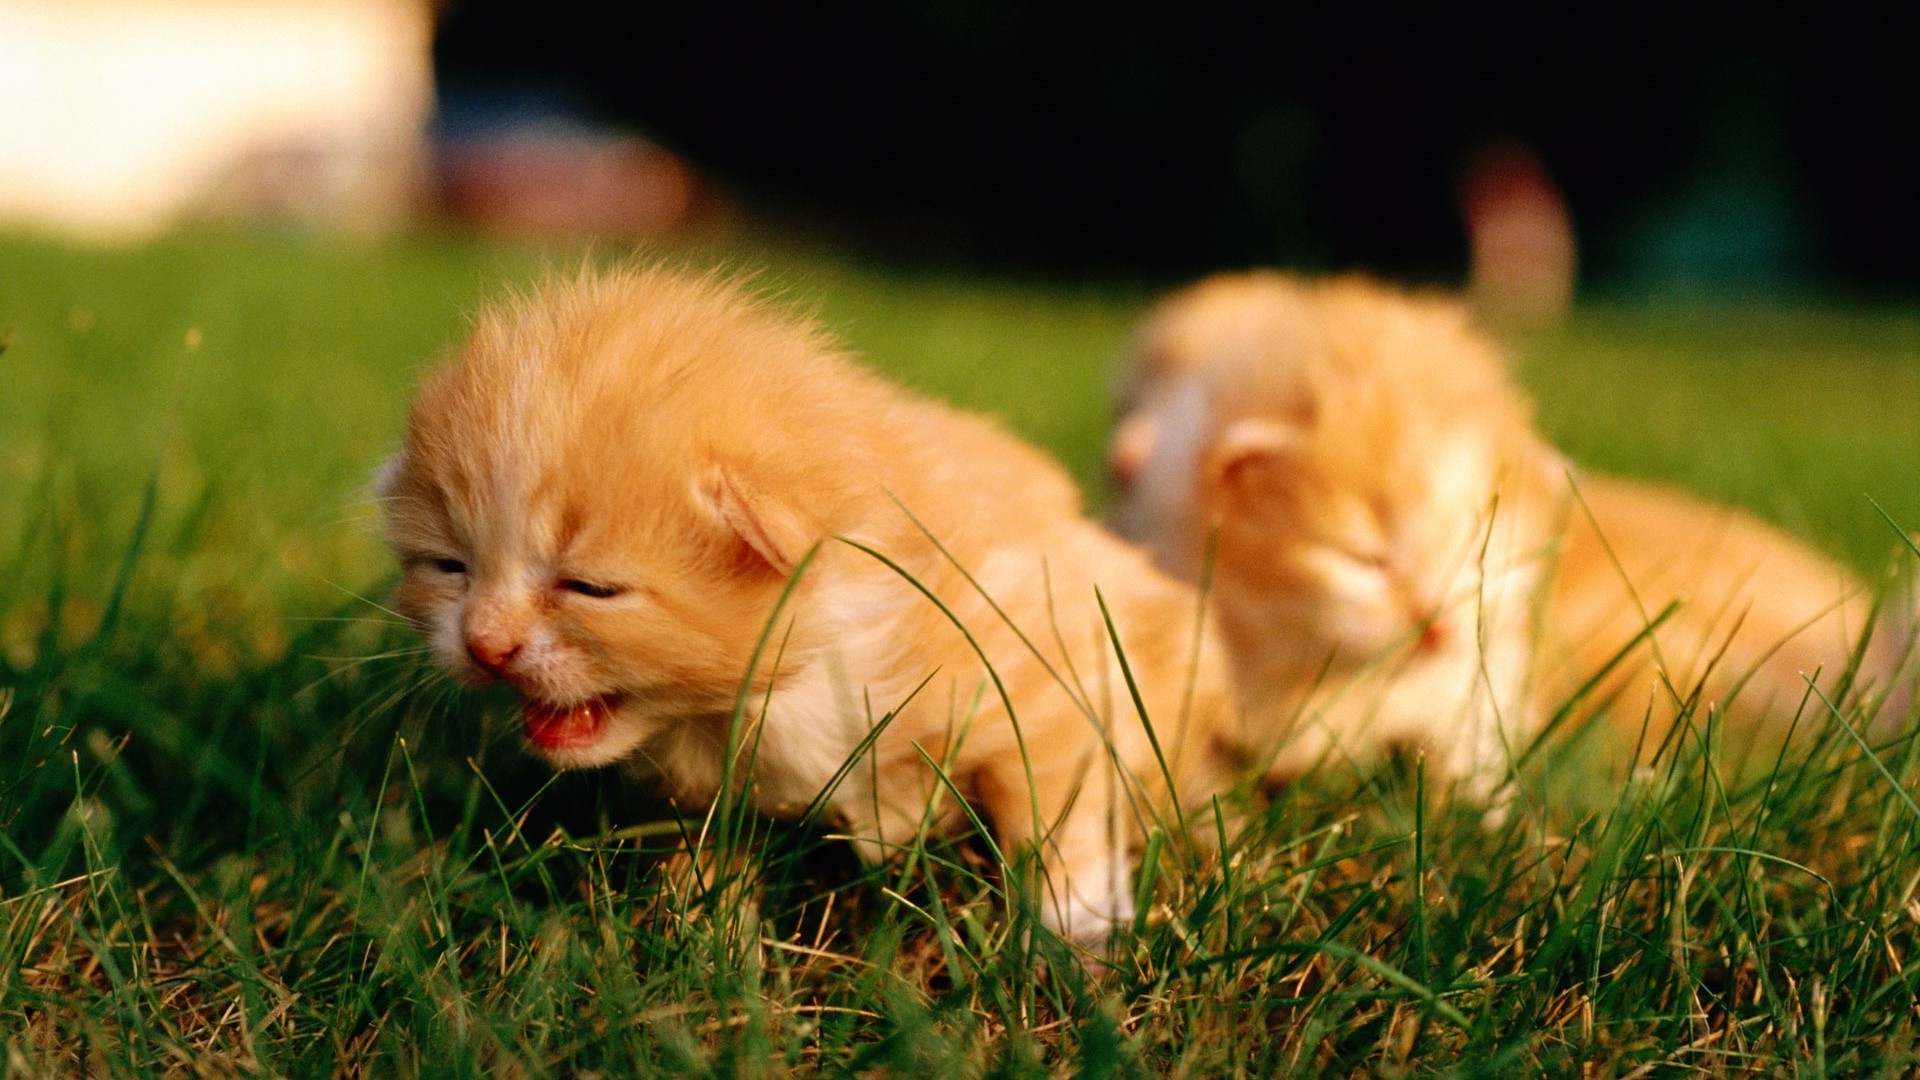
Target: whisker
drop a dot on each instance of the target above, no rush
(367, 600)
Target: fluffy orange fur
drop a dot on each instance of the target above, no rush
(1400, 556)
(1758, 613)
(1379, 502)
(602, 496)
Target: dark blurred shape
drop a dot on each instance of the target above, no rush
(1520, 239)
(520, 162)
(1171, 138)
(1732, 222)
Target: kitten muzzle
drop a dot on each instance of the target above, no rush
(568, 727)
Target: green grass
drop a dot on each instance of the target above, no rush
(241, 833)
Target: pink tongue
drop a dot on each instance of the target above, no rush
(556, 728)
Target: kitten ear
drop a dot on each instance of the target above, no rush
(387, 477)
(775, 534)
(1248, 455)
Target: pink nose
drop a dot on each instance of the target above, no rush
(493, 655)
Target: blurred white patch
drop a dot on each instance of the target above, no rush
(1161, 499)
(118, 117)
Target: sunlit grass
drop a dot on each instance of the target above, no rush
(242, 827)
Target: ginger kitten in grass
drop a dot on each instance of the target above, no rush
(602, 496)
(1379, 507)
(1401, 558)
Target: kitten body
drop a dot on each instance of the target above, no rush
(602, 497)
(1368, 463)
(1755, 614)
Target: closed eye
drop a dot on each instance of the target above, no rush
(588, 588)
(1370, 558)
(449, 566)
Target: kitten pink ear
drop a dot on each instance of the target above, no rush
(776, 534)
(386, 479)
(1249, 454)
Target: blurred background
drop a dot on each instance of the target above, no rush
(1769, 148)
(979, 196)
(1768, 145)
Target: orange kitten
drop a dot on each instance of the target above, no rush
(601, 497)
(1380, 500)
(1387, 519)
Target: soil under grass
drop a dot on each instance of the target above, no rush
(243, 829)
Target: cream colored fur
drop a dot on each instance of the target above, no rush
(601, 497)
(1390, 526)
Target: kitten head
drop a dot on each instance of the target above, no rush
(602, 494)
(1351, 447)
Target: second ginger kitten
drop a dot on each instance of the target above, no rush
(1403, 560)
(602, 495)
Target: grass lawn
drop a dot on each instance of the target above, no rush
(242, 832)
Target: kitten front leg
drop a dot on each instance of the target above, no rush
(1307, 746)
(1482, 773)
(884, 820)
(1500, 720)
(1082, 844)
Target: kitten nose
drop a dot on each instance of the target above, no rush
(492, 654)
(1434, 630)
(1429, 623)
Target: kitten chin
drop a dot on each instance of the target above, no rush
(602, 498)
(1386, 524)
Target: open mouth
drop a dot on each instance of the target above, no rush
(570, 727)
